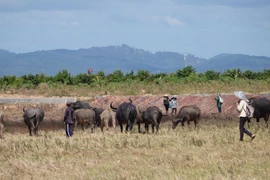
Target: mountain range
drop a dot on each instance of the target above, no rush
(124, 58)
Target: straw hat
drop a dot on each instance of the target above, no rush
(240, 95)
(165, 95)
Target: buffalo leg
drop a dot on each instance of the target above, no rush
(82, 125)
(121, 127)
(31, 127)
(31, 130)
(266, 117)
(153, 128)
(248, 123)
(127, 127)
(36, 127)
(146, 127)
(139, 127)
(130, 125)
(1, 130)
(258, 122)
(92, 128)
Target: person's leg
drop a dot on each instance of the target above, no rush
(68, 128)
(244, 129)
(173, 110)
(167, 108)
(241, 127)
(219, 109)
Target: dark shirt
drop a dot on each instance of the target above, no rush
(68, 118)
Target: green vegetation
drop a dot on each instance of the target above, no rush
(185, 81)
(212, 152)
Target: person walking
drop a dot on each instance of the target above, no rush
(69, 119)
(242, 108)
(174, 105)
(166, 102)
(219, 102)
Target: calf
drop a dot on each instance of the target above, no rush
(107, 117)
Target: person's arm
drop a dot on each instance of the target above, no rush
(66, 114)
(240, 105)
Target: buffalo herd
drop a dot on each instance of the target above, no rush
(128, 114)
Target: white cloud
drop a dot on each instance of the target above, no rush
(174, 22)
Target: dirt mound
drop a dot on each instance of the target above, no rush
(206, 102)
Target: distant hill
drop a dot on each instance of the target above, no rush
(124, 58)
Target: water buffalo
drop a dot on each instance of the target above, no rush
(261, 109)
(1, 123)
(81, 105)
(125, 114)
(152, 115)
(107, 117)
(187, 113)
(85, 117)
(85, 105)
(98, 112)
(139, 118)
(32, 118)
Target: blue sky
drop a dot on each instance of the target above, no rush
(204, 28)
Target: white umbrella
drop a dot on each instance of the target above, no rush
(240, 95)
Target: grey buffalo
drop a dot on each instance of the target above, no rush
(1, 123)
(187, 113)
(85, 117)
(32, 118)
(152, 115)
(107, 117)
(125, 114)
(261, 109)
(86, 105)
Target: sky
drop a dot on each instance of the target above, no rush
(204, 28)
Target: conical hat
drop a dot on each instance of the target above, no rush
(240, 95)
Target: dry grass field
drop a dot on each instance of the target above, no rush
(211, 152)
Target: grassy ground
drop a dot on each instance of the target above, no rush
(212, 152)
(139, 88)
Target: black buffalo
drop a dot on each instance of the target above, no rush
(32, 118)
(125, 114)
(261, 109)
(81, 105)
(152, 115)
(187, 113)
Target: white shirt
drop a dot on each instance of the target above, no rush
(242, 107)
(174, 103)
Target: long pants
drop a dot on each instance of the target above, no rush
(242, 128)
(219, 109)
(69, 132)
(174, 110)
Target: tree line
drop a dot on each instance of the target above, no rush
(188, 74)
